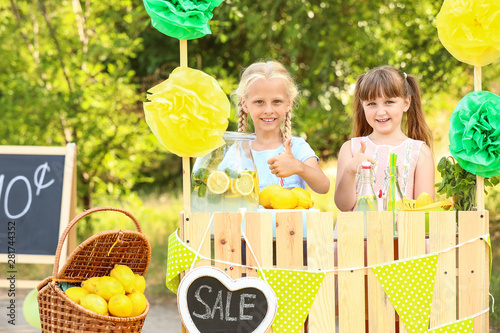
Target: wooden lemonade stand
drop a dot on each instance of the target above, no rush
(462, 277)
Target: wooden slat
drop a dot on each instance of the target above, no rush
(289, 241)
(380, 249)
(320, 256)
(442, 235)
(350, 247)
(411, 237)
(259, 232)
(473, 268)
(227, 242)
(194, 228)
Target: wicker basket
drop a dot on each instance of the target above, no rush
(94, 257)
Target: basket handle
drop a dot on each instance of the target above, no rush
(79, 217)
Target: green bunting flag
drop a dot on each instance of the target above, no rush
(295, 291)
(180, 258)
(461, 326)
(409, 284)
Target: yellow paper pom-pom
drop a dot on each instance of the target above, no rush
(188, 113)
(470, 30)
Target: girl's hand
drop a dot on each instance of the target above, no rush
(347, 167)
(285, 165)
(359, 158)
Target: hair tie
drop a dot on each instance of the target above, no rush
(404, 73)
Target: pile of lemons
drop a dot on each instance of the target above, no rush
(121, 294)
(277, 197)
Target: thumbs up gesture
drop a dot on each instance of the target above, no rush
(284, 165)
(361, 157)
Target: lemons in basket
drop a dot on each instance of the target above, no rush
(121, 294)
(109, 286)
(120, 306)
(125, 275)
(139, 303)
(95, 303)
(76, 293)
(140, 283)
(90, 284)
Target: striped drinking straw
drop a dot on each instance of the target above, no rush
(282, 183)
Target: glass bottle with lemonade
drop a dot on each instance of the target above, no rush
(226, 179)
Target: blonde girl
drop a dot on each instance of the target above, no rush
(388, 118)
(267, 93)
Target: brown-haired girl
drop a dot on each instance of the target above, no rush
(388, 118)
(267, 92)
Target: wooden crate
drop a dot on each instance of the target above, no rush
(462, 277)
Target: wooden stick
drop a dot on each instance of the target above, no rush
(186, 168)
(479, 179)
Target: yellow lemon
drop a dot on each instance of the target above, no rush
(139, 303)
(285, 199)
(244, 184)
(120, 306)
(125, 275)
(90, 284)
(218, 182)
(95, 303)
(423, 199)
(305, 200)
(267, 193)
(76, 293)
(140, 283)
(109, 286)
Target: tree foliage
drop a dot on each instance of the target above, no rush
(78, 71)
(67, 77)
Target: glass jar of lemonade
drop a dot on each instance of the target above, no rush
(226, 179)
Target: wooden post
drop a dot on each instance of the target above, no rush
(479, 179)
(186, 168)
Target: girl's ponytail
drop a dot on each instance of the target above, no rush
(416, 125)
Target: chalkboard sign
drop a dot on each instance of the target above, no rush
(36, 191)
(210, 301)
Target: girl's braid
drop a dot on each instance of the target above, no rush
(242, 118)
(288, 127)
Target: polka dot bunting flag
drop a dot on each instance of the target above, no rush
(180, 258)
(409, 285)
(296, 291)
(462, 326)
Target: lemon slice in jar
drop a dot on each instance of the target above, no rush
(218, 182)
(244, 184)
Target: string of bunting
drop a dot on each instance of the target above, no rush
(410, 293)
(485, 237)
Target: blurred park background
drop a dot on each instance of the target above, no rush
(78, 71)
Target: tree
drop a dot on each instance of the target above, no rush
(66, 77)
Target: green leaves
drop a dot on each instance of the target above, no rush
(459, 184)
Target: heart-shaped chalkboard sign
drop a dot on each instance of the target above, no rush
(210, 301)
